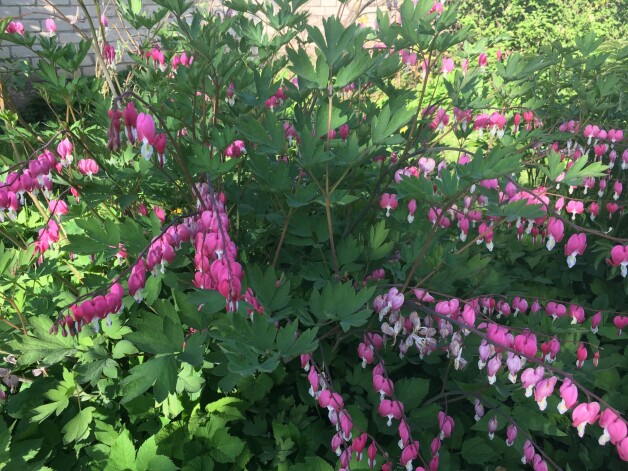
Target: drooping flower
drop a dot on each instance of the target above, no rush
(15, 27)
(575, 207)
(145, 126)
(408, 454)
(543, 390)
(446, 425)
(447, 66)
(615, 429)
(109, 53)
(51, 26)
(576, 245)
(58, 207)
(160, 146)
(492, 427)
(555, 232)
(568, 394)
(511, 434)
(585, 413)
(64, 149)
(411, 210)
(530, 377)
(619, 258)
(388, 202)
(464, 66)
(130, 121)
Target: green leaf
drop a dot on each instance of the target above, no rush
(123, 348)
(378, 247)
(122, 454)
(199, 464)
(77, 428)
(412, 391)
(189, 380)
(161, 463)
(145, 454)
(135, 6)
(390, 118)
(194, 349)
(159, 371)
(225, 408)
(160, 333)
(225, 448)
(303, 67)
(313, 463)
(576, 174)
(355, 69)
(476, 451)
(357, 319)
(58, 396)
(326, 120)
(5, 443)
(43, 346)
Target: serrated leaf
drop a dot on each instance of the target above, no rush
(225, 448)
(122, 454)
(161, 463)
(77, 428)
(123, 348)
(43, 346)
(225, 407)
(145, 454)
(158, 371)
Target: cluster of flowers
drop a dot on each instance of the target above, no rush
(90, 311)
(15, 27)
(181, 59)
(410, 60)
(552, 228)
(235, 149)
(276, 100)
(35, 176)
(498, 344)
(389, 407)
(138, 127)
(215, 253)
(159, 59)
(343, 133)
(343, 443)
(215, 263)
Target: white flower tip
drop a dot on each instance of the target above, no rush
(562, 408)
(581, 429)
(542, 403)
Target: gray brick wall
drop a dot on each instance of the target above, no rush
(33, 13)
